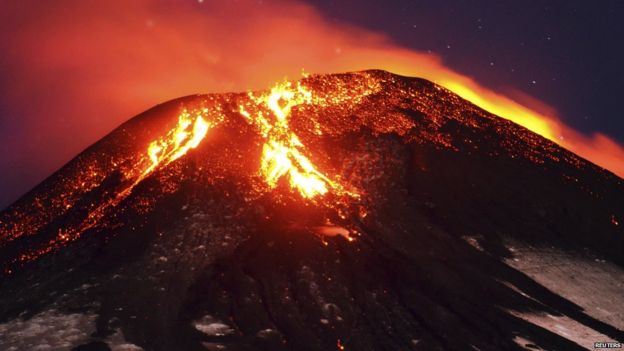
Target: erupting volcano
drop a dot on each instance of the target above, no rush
(357, 211)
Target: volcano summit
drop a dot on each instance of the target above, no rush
(358, 211)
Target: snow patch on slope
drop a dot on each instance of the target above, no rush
(52, 330)
(48, 330)
(212, 326)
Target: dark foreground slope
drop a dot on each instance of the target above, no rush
(470, 233)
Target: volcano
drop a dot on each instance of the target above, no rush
(357, 211)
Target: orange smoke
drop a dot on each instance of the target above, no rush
(74, 70)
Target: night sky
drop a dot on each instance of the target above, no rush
(565, 53)
(72, 71)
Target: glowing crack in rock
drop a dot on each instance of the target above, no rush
(190, 130)
(281, 154)
(187, 134)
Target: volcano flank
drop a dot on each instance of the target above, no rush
(357, 211)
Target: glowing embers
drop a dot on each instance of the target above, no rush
(279, 159)
(283, 159)
(282, 154)
(187, 134)
(190, 130)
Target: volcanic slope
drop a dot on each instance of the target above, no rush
(358, 211)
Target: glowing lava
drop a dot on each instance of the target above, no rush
(282, 151)
(244, 47)
(290, 132)
(190, 130)
(187, 134)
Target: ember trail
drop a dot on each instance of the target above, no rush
(204, 211)
(295, 142)
(283, 154)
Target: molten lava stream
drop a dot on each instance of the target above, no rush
(190, 130)
(282, 153)
(282, 156)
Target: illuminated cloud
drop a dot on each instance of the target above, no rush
(72, 70)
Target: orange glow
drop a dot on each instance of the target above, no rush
(531, 113)
(187, 134)
(190, 130)
(282, 152)
(282, 155)
(504, 107)
(146, 53)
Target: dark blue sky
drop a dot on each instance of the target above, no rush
(565, 53)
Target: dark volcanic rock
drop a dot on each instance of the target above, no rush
(467, 214)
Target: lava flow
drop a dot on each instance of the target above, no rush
(299, 141)
(281, 153)
(187, 134)
(204, 210)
